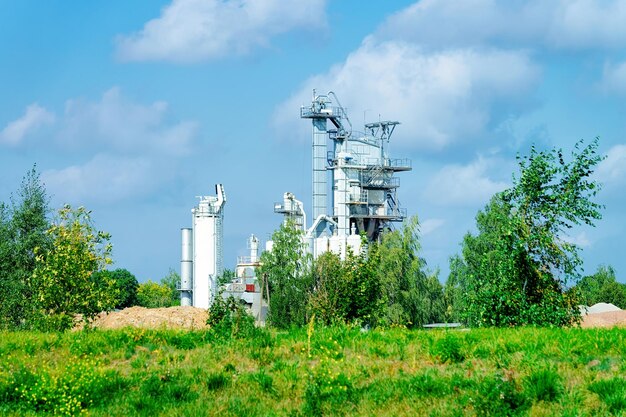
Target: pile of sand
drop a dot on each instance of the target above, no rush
(154, 318)
(603, 308)
(606, 319)
(604, 315)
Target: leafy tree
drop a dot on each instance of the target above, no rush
(172, 281)
(286, 268)
(602, 287)
(454, 291)
(124, 283)
(23, 227)
(226, 278)
(408, 295)
(154, 295)
(515, 271)
(330, 299)
(62, 283)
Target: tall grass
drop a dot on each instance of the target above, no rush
(312, 371)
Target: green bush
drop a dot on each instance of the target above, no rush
(544, 385)
(500, 396)
(612, 392)
(448, 349)
(229, 319)
(216, 381)
(80, 385)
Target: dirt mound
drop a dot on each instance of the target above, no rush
(154, 318)
(605, 319)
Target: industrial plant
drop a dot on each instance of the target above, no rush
(354, 195)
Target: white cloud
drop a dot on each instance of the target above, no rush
(614, 78)
(194, 30)
(125, 149)
(118, 124)
(463, 185)
(613, 168)
(581, 240)
(440, 97)
(570, 24)
(105, 178)
(34, 118)
(430, 225)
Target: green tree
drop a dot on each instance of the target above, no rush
(287, 270)
(23, 227)
(124, 283)
(517, 268)
(408, 295)
(330, 299)
(62, 283)
(602, 287)
(172, 281)
(226, 278)
(154, 295)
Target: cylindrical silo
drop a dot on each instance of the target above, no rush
(186, 267)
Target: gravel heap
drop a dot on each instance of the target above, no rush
(189, 318)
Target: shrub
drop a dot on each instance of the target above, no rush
(544, 385)
(448, 349)
(612, 392)
(500, 396)
(228, 318)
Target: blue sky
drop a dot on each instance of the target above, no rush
(133, 109)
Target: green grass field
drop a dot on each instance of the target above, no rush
(315, 371)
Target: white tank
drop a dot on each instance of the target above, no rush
(207, 220)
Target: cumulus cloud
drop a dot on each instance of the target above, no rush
(194, 30)
(120, 149)
(613, 168)
(463, 185)
(104, 178)
(34, 118)
(440, 97)
(570, 24)
(119, 124)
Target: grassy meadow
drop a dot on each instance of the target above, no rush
(315, 371)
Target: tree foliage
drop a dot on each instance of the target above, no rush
(386, 284)
(408, 293)
(286, 268)
(62, 283)
(23, 226)
(172, 282)
(124, 283)
(516, 269)
(602, 287)
(151, 294)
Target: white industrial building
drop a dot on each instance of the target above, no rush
(354, 195)
(202, 257)
(363, 199)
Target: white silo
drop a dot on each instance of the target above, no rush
(208, 218)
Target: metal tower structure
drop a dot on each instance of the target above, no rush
(320, 112)
(364, 197)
